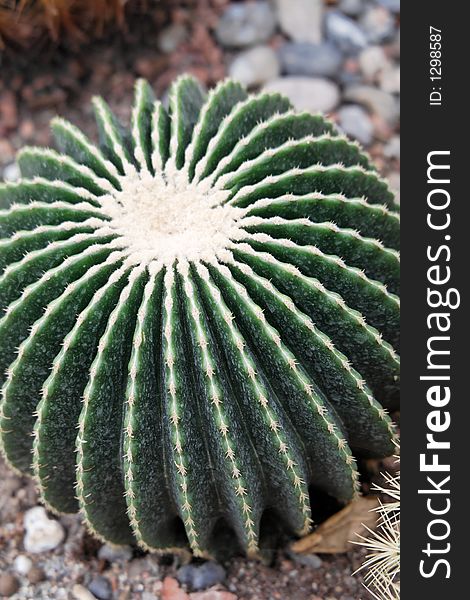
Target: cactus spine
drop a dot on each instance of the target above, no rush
(200, 318)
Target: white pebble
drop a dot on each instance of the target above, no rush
(81, 593)
(379, 102)
(11, 172)
(394, 182)
(301, 20)
(392, 149)
(307, 93)
(42, 533)
(378, 25)
(373, 61)
(255, 66)
(390, 80)
(22, 564)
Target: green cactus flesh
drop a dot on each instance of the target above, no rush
(200, 318)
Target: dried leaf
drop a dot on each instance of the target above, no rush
(334, 534)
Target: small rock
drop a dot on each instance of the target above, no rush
(373, 61)
(391, 5)
(314, 60)
(308, 560)
(392, 150)
(356, 123)
(313, 94)
(113, 553)
(383, 131)
(79, 592)
(36, 575)
(8, 111)
(352, 8)
(172, 591)
(213, 595)
(8, 585)
(390, 80)
(394, 182)
(171, 37)
(246, 24)
(344, 32)
(22, 564)
(301, 19)
(11, 172)
(200, 577)
(42, 533)
(255, 66)
(101, 588)
(137, 567)
(378, 25)
(378, 101)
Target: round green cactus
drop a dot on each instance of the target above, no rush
(200, 318)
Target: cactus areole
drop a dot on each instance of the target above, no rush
(199, 318)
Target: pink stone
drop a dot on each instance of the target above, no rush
(213, 595)
(172, 591)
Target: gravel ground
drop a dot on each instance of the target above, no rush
(352, 74)
(346, 63)
(80, 563)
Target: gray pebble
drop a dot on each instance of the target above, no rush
(301, 19)
(352, 8)
(392, 5)
(344, 32)
(392, 148)
(314, 60)
(114, 553)
(171, 37)
(378, 25)
(308, 560)
(307, 93)
(356, 123)
(200, 577)
(255, 66)
(101, 588)
(246, 24)
(379, 102)
(138, 566)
